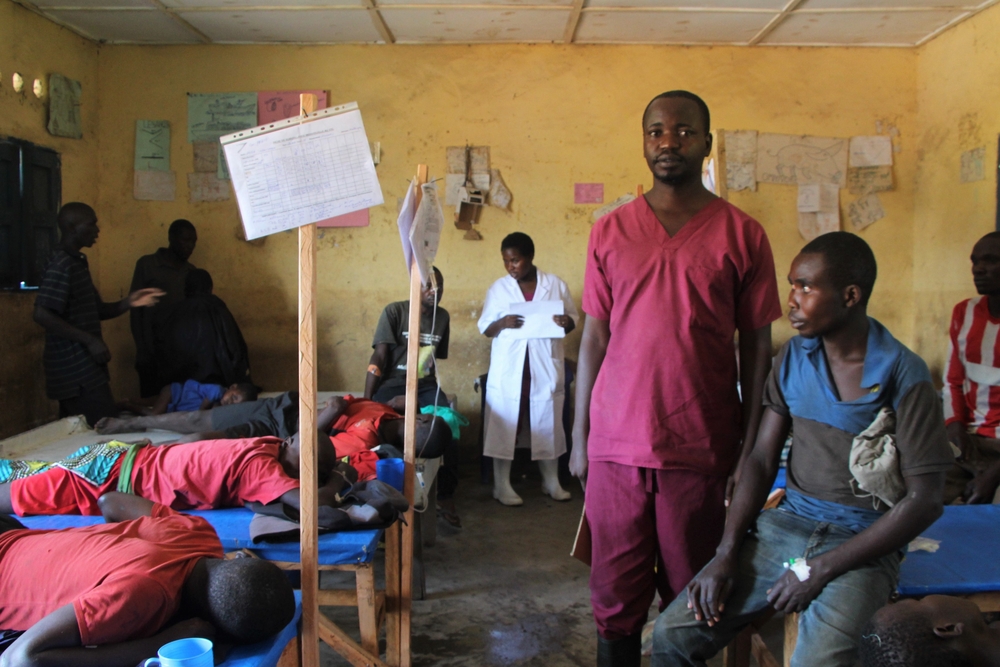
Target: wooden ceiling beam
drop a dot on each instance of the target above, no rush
(574, 21)
(775, 22)
(379, 22)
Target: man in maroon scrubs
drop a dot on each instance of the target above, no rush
(660, 429)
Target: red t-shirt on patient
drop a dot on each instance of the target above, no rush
(359, 425)
(124, 580)
(665, 396)
(211, 473)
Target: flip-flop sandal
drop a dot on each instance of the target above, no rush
(450, 517)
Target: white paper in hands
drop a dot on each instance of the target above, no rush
(538, 321)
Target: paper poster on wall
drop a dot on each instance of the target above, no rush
(206, 156)
(973, 165)
(222, 168)
(865, 211)
(275, 105)
(741, 159)
(302, 173)
(875, 151)
(862, 180)
(212, 115)
(64, 107)
(207, 188)
(499, 194)
(588, 193)
(479, 159)
(818, 197)
(797, 160)
(152, 145)
(154, 185)
(816, 224)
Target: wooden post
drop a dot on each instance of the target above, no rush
(308, 482)
(399, 538)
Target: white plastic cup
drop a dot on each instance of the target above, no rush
(192, 652)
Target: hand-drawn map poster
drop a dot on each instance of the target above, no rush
(212, 115)
(793, 160)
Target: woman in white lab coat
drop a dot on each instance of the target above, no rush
(525, 387)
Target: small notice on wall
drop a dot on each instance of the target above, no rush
(741, 159)
(207, 187)
(865, 211)
(355, 219)
(64, 107)
(588, 193)
(972, 165)
(862, 180)
(154, 185)
(875, 151)
(206, 156)
(214, 114)
(152, 145)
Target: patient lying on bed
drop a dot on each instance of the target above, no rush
(125, 588)
(211, 474)
(936, 631)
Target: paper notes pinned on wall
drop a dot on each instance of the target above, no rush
(865, 211)
(816, 224)
(64, 107)
(862, 180)
(479, 159)
(212, 115)
(818, 197)
(797, 160)
(741, 159)
(153, 185)
(206, 156)
(206, 188)
(588, 193)
(275, 105)
(499, 194)
(973, 165)
(152, 145)
(875, 151)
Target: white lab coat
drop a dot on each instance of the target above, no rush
(546, 361)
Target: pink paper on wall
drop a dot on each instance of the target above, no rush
(274, 105)
(356, 219)
(588, 193)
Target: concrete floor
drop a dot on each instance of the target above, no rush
(503, 590)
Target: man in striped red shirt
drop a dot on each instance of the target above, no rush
(972, 381)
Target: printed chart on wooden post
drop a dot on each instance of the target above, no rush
(294, 173)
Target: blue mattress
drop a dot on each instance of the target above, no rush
(966, 561)
(266, 653)
(233, 528)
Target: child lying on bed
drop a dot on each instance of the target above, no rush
(210, 474)
(147, 577)
(189, 396)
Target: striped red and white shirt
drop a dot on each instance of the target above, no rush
(972, 377)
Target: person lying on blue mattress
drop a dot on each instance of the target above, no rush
(147, 577)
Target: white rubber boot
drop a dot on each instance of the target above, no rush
(502, 490)
(550, 479)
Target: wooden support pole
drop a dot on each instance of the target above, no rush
(308, 481)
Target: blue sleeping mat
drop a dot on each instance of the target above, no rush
(266, 653)
(966, 561)
(233, 528)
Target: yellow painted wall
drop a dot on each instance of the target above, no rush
(36, 47)
(959, 109)
(552, 115)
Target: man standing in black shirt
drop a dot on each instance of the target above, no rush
(70, 310)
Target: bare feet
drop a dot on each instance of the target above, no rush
(109, 425)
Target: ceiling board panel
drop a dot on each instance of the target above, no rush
(775, 5)
(475, 25)
(128, 26)
(319, 26)
(669, 27)
(195, 5)
(854, 28)
(902, 4)
(513, 4)
(82, 4)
